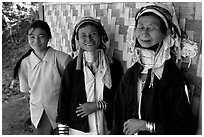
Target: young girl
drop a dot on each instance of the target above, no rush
(151, 97)
(39, 73)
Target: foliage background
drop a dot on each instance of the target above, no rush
(16, 17)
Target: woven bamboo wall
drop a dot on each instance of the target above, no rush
(190, 20)
(118, 20)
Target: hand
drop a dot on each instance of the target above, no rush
(132, 126)
(86, 109)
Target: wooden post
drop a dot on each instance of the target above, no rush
(41, 11)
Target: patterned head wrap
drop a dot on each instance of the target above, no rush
(166, 13)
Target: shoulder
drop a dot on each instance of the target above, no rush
(72, 71)
(169, 64)
(133, 69)
(116, 63)
(26, 61)
(25, 65)
(73, 62)
(71, 66)
(60, 54)
(170, 69)
(131, 73)
(171, 73)
(60, 57)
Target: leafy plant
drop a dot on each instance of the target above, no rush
(13, 12)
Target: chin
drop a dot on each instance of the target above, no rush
(89, 48)
(145, 46)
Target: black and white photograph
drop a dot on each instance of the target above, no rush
(101, 68)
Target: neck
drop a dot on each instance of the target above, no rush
(154, 47)
(91, 56)
(41, 54)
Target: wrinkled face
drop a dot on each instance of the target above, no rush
(89, 38)
(148, 31)
(37, 39)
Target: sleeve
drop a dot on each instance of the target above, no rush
(117, 128)
(179, 119)
(63, 102)
(116, 75)
(23, 77)
(62, 61)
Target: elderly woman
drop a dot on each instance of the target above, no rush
(89, 82)
(151, 97)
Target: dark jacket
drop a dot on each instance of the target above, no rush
(72, 92)
(165, 104)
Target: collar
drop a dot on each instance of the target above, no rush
(49, 57)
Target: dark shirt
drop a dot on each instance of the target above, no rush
(72, 92)
(165, 104)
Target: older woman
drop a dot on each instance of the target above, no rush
(151, 97)
(89, 83)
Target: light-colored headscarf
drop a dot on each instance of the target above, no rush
(167, 14)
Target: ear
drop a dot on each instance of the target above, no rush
(49, 42)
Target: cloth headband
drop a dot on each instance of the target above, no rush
(164, 14)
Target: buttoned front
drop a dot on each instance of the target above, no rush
(42, 78)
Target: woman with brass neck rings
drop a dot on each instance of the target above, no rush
(89, 83)
(151, 97)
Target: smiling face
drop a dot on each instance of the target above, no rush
(38, 39)
(149, 31)
(89, 38)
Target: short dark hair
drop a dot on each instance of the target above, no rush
(41, 24)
